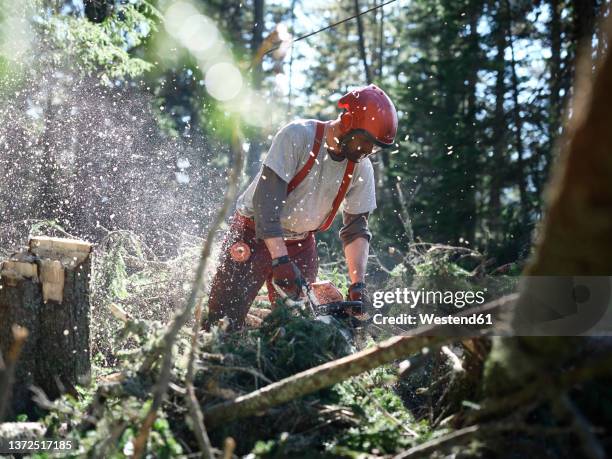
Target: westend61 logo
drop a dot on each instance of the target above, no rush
(459, 299)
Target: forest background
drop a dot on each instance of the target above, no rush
(119, 122)
(135, 98)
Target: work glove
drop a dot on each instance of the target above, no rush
(287, 276)
(357, 292)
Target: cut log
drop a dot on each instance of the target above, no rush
(46, 290)
(19, 298)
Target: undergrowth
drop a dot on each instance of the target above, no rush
(134, 296)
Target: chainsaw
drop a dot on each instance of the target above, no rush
(321, 298)
(324, 302)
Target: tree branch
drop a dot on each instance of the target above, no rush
(192, 401)
(181, 319)
(320, 377)
(462, 435)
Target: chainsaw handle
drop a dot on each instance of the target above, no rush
(288, 301)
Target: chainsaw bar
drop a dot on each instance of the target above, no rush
(340, 308)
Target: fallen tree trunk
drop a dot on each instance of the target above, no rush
(46, 291)
(320, 377)
(328, 374)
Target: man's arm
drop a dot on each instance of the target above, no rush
(268, 201)
(276, 246)
(356, 254)
(356, 236)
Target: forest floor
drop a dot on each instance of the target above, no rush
(415, 406)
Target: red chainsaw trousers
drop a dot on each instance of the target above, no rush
(236, 283)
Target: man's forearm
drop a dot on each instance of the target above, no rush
(356, 254)
(276, 246)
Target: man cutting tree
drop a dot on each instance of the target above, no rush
(311, 169)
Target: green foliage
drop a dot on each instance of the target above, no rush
(106, 417)
(337, 276)
(382, 416)
(103, 49)
(286, 344)
(440, 266)
(125, 277)
(113, 434)
(379, 423)
(15, 38)
(46, 228)
(114, 266)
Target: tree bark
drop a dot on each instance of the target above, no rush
(584, 17)
(473, 154)
(499, 124)
(46, 291)
(580, 34)
(290, 78)
(362, 46)
(555, 99)
(8, 364)
(255, 147)
(50, 200)
(603, 37)
(385, 162)
(518, 126)
(381, 44)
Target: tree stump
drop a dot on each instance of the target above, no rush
(46, 290)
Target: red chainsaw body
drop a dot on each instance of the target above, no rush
(326, 292)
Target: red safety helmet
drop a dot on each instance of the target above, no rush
(369, 110)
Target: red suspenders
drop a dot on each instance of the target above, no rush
(303, 172)
(346, 180)
(316, 147)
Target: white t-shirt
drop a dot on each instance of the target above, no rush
(309, 204)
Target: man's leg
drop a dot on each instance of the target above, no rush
(236, 283)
